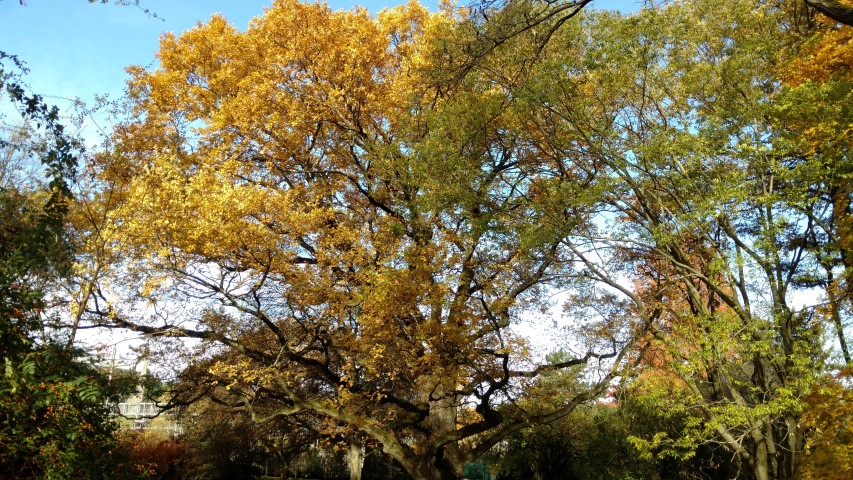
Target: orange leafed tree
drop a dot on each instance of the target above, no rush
(358, 236)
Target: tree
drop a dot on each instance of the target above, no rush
(816, 115)
(595, 441)
(490, 24)
(359, 239)
(703, 214)
(56, 422)
(556, 450)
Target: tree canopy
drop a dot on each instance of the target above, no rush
(361, 239)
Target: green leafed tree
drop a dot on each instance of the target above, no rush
(704, 217)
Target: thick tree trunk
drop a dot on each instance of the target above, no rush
(433, 469)
(761, 469)
(777, 454)
(355, 457)
(795, 448)
(437, 462)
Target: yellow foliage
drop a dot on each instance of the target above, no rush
(829, 419)
(287, 162)
(828, 53)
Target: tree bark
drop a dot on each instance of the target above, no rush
(435, 461)
(762, 464)
(355, 457)
(834, 10)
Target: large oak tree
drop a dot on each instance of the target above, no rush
(357, 232)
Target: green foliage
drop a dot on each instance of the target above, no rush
(476, 471)
(59, 158)
(698, 204)
(54, 422)
(653, 159)
(666, 436)
(54, 419)
(32, 247)
(600, 443)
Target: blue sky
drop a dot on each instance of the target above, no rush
(77, 50)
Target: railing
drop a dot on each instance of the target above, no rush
(138, 410)
(147, 415)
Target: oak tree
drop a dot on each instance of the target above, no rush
(358, 238)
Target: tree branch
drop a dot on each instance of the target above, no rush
(834, 10)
